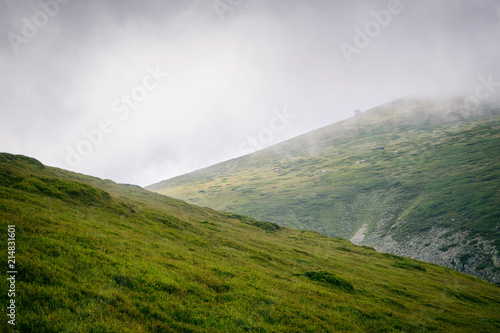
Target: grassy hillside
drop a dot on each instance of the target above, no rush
(443, 180)
(95, 256)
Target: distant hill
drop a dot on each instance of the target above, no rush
(419, 178)
(95, 256)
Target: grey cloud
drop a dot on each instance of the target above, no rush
(226, 77)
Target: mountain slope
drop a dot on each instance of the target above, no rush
(95, 256)
(419, 177)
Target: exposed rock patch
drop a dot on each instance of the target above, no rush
(360, 235)
(475, 256)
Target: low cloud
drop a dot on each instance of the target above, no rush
(226, 76)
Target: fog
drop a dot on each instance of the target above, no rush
(141, 91)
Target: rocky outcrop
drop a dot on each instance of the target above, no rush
(473, 256)
(359, 237)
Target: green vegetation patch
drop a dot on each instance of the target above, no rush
(331, 279)
(445, 248)
(268, 226)
(465, 257)
(67, 190)
(408, 264)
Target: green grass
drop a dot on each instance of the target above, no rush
(95, 256)
(445, 176)
(330, 279)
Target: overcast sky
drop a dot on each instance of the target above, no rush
(141, 91)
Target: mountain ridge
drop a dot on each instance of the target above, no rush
(410, 167)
